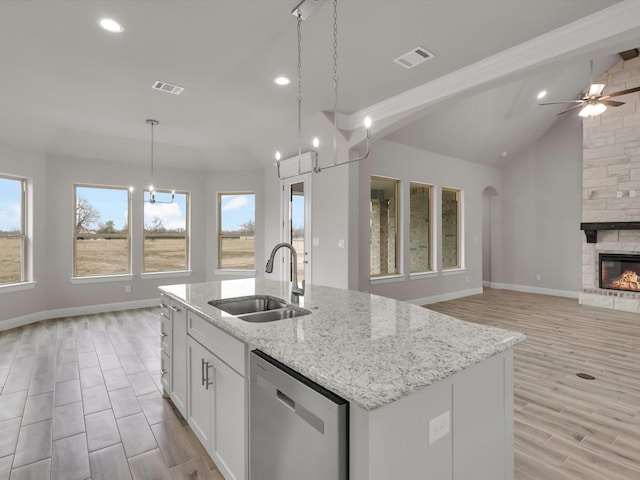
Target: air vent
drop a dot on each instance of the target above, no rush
(414, 57)
(167, 87)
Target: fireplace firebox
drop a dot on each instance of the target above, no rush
(620, 272)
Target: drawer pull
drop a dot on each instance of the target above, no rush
(175, 309)
(163, 372)
(162, 334)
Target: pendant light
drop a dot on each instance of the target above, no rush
(152, 190)
(302, 12)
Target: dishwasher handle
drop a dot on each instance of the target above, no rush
(286, 400)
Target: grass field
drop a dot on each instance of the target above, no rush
(108, 257)
(9, 260)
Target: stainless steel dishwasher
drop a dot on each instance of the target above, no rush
(298, 430)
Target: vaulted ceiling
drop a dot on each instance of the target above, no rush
(69, 88)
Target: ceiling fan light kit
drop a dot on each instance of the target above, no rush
(594, 102)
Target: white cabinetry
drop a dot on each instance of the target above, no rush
(174, 351)
(218, 395)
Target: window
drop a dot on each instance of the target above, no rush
(13, 234)
(420, 245)
(451, 227)
(102, 243)
(166, 232)
(384, 227)
(236, 231)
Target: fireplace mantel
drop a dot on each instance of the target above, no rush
(591, 229)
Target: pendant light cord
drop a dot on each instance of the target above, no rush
(299, 90)
(335, 82)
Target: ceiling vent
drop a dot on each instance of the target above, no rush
(414, 57)
(167, 87)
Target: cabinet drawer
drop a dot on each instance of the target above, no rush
(165, 334)
(164, 305)
(165, 374)
(227, 348)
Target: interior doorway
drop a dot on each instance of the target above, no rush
(296, 225)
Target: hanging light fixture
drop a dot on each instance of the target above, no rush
(152, 190)
(301, 12)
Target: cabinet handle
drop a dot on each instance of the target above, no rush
(202, 372)
(163, 372)
(162, 334)
(175, 309)
(162, 305)
(209, 380)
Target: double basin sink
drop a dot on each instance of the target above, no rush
(258, 308)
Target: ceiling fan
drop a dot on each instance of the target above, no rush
(594, 102)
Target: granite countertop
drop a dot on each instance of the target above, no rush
(370, 350)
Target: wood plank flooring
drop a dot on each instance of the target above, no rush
(567, 428)
(80, 398)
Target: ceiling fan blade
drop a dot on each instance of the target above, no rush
(566, 101)
(611, 103)
(596, 89)
(624, 92)
(569, 109)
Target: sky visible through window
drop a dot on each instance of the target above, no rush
(10, 205)
(111, 204)
(237, 210)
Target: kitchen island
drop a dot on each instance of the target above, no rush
(399, 365)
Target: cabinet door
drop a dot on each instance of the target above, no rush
(229, 429)
(199, 397)
(179, 358)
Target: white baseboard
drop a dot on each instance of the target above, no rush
(74, 311)
(526, 288)
(445, 296)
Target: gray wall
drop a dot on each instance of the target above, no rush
(410, 164)
(541, 198)
(52, 206)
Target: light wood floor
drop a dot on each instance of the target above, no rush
(80, 398)
(567, 427)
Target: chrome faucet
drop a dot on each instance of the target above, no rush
(296, 291)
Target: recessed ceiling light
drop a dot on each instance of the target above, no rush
(503, 154)
(542, 94)
(282, 81)
(110, 25)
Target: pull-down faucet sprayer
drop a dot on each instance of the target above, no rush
(296, 291)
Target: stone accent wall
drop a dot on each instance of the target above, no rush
(611, 184)
(419, 229)
(450, 229)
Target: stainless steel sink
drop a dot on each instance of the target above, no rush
(258, 308)
(256, 303)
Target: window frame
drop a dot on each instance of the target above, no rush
(221, 235)
(126, 236)
(398, 263)
(187, 233)
(430, 261)
(459, 229)
(23, 235)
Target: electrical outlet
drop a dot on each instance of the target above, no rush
(538, 277)
(438, 427)
(127, 289)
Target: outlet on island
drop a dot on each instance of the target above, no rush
(438, 427)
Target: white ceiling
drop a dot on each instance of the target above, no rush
(69, 88)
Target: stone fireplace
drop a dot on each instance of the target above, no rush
(611, 193)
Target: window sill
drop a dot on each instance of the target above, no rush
(453, 271)
(387, 279)
(17, 287)
(175, 273)
(421, 275)
(101, 279)
(230, 271)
